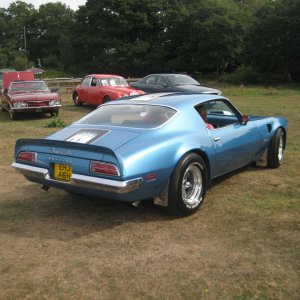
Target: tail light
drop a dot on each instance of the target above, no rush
(99, 167)
(27, 156)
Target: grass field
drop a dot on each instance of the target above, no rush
(244, 242)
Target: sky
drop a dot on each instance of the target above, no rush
(73, 4)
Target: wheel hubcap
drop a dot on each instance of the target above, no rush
(192, 186)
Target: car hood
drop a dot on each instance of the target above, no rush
(33, 96)
(111, 138)
(126, 90)
(197, 89)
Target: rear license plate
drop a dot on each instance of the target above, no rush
(62, 172)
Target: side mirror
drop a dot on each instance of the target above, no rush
(245, 119)
(54, 90)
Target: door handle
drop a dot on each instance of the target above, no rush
(217, 139)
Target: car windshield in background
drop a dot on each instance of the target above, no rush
(134, 116)
(28, 86)
(114, 81)
(182, 80)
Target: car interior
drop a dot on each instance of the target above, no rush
(218, 113)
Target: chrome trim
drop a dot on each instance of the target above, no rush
(35, 172)
(34, 107)
(82, 181)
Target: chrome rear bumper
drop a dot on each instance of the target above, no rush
(82, 181)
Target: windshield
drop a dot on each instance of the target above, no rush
(134, 116)
(28, 86)
(113, 81)
(182, 80)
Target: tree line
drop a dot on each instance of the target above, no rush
(135, 38)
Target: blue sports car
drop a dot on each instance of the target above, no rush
(166, 147)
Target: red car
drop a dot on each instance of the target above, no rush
(24, 94)
(96, 89)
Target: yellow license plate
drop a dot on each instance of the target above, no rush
(62, 172)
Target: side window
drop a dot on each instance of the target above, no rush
(104, 82)
(161, 81)
(218, 108)
(220, 113)
(94, 81)
(86, 81)
(151, 80)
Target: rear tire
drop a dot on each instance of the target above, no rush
(276, 149)
(188, 185)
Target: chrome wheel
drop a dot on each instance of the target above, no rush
(188, 185)
(191, 188)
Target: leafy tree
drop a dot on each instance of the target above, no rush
(52, 25)
(13, 21)
(135, 38)
(118, 35)
(204, 35)
(273, 42)
(20, 62)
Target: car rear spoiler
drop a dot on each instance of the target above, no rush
(61, 147)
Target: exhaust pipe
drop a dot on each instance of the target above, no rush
(45, 187)
(136, 203)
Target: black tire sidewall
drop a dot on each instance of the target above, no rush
(106, 99)
(273, 160)
(175, 202)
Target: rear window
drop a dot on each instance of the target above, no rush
(135, 116)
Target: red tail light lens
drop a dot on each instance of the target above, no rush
(27, 156)
(104, 168)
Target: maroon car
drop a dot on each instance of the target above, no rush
(21, 96)
(96, 89)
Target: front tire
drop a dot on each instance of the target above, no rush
(106, 99)
(76, 100)
(276, 149)
(188, 185)
(12, 114)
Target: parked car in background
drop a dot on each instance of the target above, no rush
(161, 83)
(96, 89)
(22, 94)
(154, 146)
